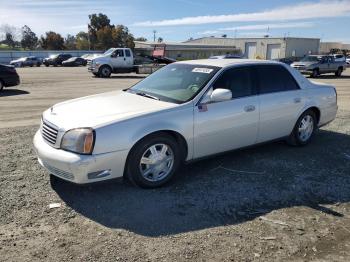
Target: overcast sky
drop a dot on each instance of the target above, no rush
(178, 20)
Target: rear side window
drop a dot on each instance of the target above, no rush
(275, 78)
(238, 80)
(127, 53)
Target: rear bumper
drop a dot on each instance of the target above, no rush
(79, 169)
(12, 81)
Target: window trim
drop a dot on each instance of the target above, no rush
(257, 79)
(224, 69)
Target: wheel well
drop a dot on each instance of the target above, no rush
(317, 113)
(340, 67)
(106, 65)
(177, 136)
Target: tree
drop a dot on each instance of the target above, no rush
(29, 38)
(122, 37)
(10, 34)
(105, 38)
(82, 40)
(9, 40)
(160, 40)
(97, 22)
(70, 42)
(52, 41)
(141, 39)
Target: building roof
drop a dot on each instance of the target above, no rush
(249, 38)
(226, 62)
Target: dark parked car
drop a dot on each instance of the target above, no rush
(8, 76)
(27, 61)
(56, 60)
(75, 61)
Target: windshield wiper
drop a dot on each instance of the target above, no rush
(147, 95)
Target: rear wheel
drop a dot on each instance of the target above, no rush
(339, 71)
(315, 73)
(304, 129)
(153, 161)
(1, 85)
(105, 71)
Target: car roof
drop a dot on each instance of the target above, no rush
(227, 62)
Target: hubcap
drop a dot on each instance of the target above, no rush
(306, 127)
(156, 162)
(105, 71)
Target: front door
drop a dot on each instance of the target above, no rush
(223, 126)
(118, 59)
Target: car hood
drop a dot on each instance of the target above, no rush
(102, 109)
(16, 61)
(303, 63)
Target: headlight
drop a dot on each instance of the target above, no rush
(79, 140)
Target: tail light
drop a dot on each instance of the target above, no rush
(11, 69)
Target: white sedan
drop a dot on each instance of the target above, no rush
(184, 111)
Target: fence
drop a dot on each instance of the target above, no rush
(7, 56)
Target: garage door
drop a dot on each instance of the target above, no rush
(273, 51)
(250, 50)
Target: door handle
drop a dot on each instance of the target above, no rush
(249, 108)
(297, 100)
(124, 58)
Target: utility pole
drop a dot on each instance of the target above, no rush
(154, 35)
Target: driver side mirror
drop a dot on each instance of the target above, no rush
(220, 95)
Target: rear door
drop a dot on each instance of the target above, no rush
(129, 60)
(223, 126)
(280, 100)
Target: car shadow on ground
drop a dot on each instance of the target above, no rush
(12, 92)
(224, 190)
(329, 77)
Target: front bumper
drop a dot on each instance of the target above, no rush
(79, 169)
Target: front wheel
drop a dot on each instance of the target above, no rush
(153, 161)
(304, 129)
(105, 71)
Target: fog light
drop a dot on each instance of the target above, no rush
(99, 174)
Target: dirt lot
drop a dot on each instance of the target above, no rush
(269, 203)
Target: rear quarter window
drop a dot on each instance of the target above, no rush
(275, 78)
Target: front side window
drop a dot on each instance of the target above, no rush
(238, 80)
(119, 53)
(275, 78)
(176, 83)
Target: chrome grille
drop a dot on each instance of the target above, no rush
(49, 133)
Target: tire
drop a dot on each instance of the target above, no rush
(304, 129)
(54, 181)
(1, 85)
(96, 74)
(38, 65)
(339, 71)
(47, 65)
(153, 161)
(105, 71)
(315, 73)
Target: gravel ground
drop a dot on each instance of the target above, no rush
(268, 203)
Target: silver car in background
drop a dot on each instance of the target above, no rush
(184, 111)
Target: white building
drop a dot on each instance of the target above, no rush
(266, 47)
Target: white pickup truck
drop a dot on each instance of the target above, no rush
(114, 60)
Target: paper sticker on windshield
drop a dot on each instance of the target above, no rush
(202, 70)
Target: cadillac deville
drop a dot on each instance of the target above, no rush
(185, 111)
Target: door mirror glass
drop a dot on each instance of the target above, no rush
(220, 95)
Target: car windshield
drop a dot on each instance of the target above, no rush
(72, 59)
(109, 51)
(311, 59)
(176, 83)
